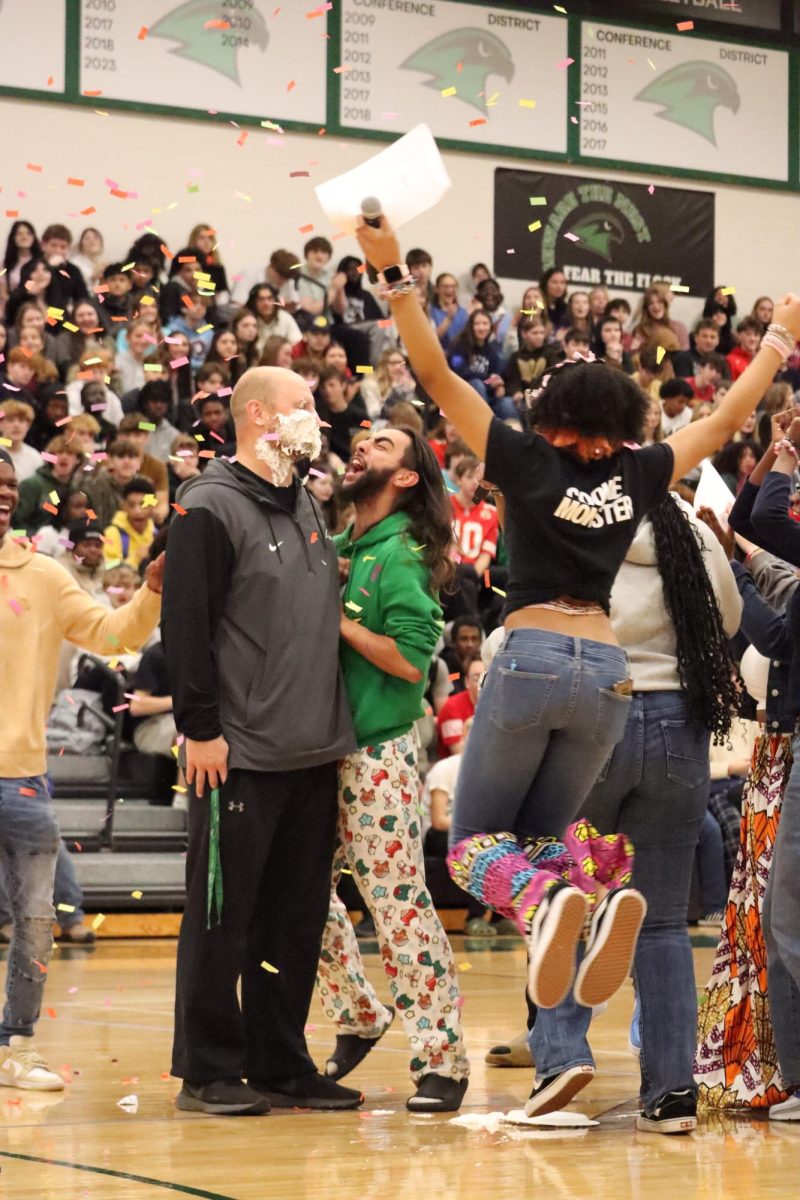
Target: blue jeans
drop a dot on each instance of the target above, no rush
(655, 789)
(67, 892)
(502, 406)
(545, 724)
(29, 841)
(780, 921)
(711, 866)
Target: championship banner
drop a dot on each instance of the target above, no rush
(618, 234)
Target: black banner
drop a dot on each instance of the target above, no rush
(619, 234)
(758, 14)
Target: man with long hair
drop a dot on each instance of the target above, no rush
(396, 556)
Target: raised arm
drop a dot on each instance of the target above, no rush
(696, 441)
(460, 403)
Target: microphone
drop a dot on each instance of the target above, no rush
(372, 211)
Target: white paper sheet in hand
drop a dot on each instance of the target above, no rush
(408, 178)
(713, 492)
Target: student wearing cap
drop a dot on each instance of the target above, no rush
(315, 341)
(44, 605)
(83, 559)
(116, 306)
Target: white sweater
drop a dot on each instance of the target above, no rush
(639, 614)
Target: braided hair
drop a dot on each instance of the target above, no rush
(707, 673)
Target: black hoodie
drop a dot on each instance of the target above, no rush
(250, 622)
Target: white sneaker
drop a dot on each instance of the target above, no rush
(22, 1066)
(789, 1110)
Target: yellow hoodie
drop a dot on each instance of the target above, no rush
(40, 605)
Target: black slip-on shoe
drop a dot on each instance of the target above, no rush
(350, 1050)
(553, 942)
(674, 1113)
(610, 946)
(307, 1091)
(437, 1093)
(557, 1090)
(222, 1098)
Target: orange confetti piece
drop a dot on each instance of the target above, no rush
(206, 454)
(219, 24)
(305, 228)
(242, 138)
(33, 167)
(118, 192)
(51, 508)
(366, 424)
(341, 70)
(41, 966)
(27, 791)
(487, 582)
(321, 132)
(477, 121)
(143, 32)
(76, 182)
(314, 537)
(91, 514)
(50, 80)
(291, 85)
(12, 212)
(87, 212)
(456, 675)
(98, 92)
(51, 1012)
(683, 26)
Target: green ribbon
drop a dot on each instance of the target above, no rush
(214, 911)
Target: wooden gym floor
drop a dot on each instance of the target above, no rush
(107, 1025)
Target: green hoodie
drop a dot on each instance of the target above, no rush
(388, 592)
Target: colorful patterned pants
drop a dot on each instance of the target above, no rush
(513, 876)
(379, 841)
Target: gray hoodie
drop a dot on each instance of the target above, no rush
(251, 623)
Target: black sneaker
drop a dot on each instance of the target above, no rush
(557, 1090)
(437, 1093)
(222, 1098)
(350, 1050)
(365, 928)
(610, 946)
(307, 1091)
(674, 1113)
(552, 944)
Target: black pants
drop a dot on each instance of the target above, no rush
(277, 834)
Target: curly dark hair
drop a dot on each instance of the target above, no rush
(707, 673)
(429, 509)
(595, 399)
(727, 459)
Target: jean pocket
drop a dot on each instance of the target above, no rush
(520, 699)
(684, 765)
(612, 717)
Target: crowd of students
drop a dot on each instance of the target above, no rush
(115, 391)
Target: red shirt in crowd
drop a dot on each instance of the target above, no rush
(476, 529)
(738, 360)
(455, 711)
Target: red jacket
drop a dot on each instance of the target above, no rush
(738, 360)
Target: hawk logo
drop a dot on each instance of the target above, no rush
(480, 54)
(599, 231)
(690, 94)
(215, 48)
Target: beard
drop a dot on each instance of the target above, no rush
(367, 485)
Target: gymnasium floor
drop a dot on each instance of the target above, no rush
(107, 1025)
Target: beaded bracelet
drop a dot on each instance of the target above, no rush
(779, 338)
(785, 444)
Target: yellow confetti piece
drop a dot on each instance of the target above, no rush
(558, 8)
(679, 287)
(527, 104)
(70, 328)
(54, 497)
(451, 91)
(249, 200)
(137, 895)
(499, 591)
(4, 441)
(142, 300)
(65, 907)
(490, 103)
(98, 921)
(537, 201)
(364, 370)
(660, 352)
(269, 967)
(465, 966)
(149, 501)
(57, 313)
(205, 328)
(176, 787)
(534, 225)
(728, 291)
(351, 604)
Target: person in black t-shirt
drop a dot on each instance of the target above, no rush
(555, 699)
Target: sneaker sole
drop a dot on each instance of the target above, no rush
(673, 1125)
(560, 1092)
(190, 1104)
(552, 956)
(792, 1114)
(607, 963)
(32, 1086)
(279, 1100)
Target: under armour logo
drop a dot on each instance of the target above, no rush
(234, 807)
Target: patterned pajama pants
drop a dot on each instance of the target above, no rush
(512, 876)
(379, 841)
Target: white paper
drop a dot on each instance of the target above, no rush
(714, 493)
(407, 177)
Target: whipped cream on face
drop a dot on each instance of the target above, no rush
(296, 436)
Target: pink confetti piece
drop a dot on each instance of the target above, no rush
(565, 62)
(572, 237)
(15, 606)
(651, 189)
(178, 362)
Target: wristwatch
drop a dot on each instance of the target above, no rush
(393, 275)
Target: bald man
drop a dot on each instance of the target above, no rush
(251, 632)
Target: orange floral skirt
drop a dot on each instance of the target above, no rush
(736, 1064)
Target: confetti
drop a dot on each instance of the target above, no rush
(499, 591)
(34, 167)
(143, 32)
(87, 212)
(534, 225)
(98, 920)
(137, 895)
(318, 11)
(527, 104)
(68, 908)
(660, 352)
(291, 85)
(537, 200)
(76, 182)
(651, 189)
(465, 966)
(129, 1104)
(218, 24)
(566, 62)
(269, 968)
(242, 138)
(450, 91)
(684, 26)
(23, 791)
(728, 291)
(51, 1012)
(572, 237)
(478, 121)
(298, 175)
(364, 370)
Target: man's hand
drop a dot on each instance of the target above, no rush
(206, 763)
(726, 540)
(154, 575)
